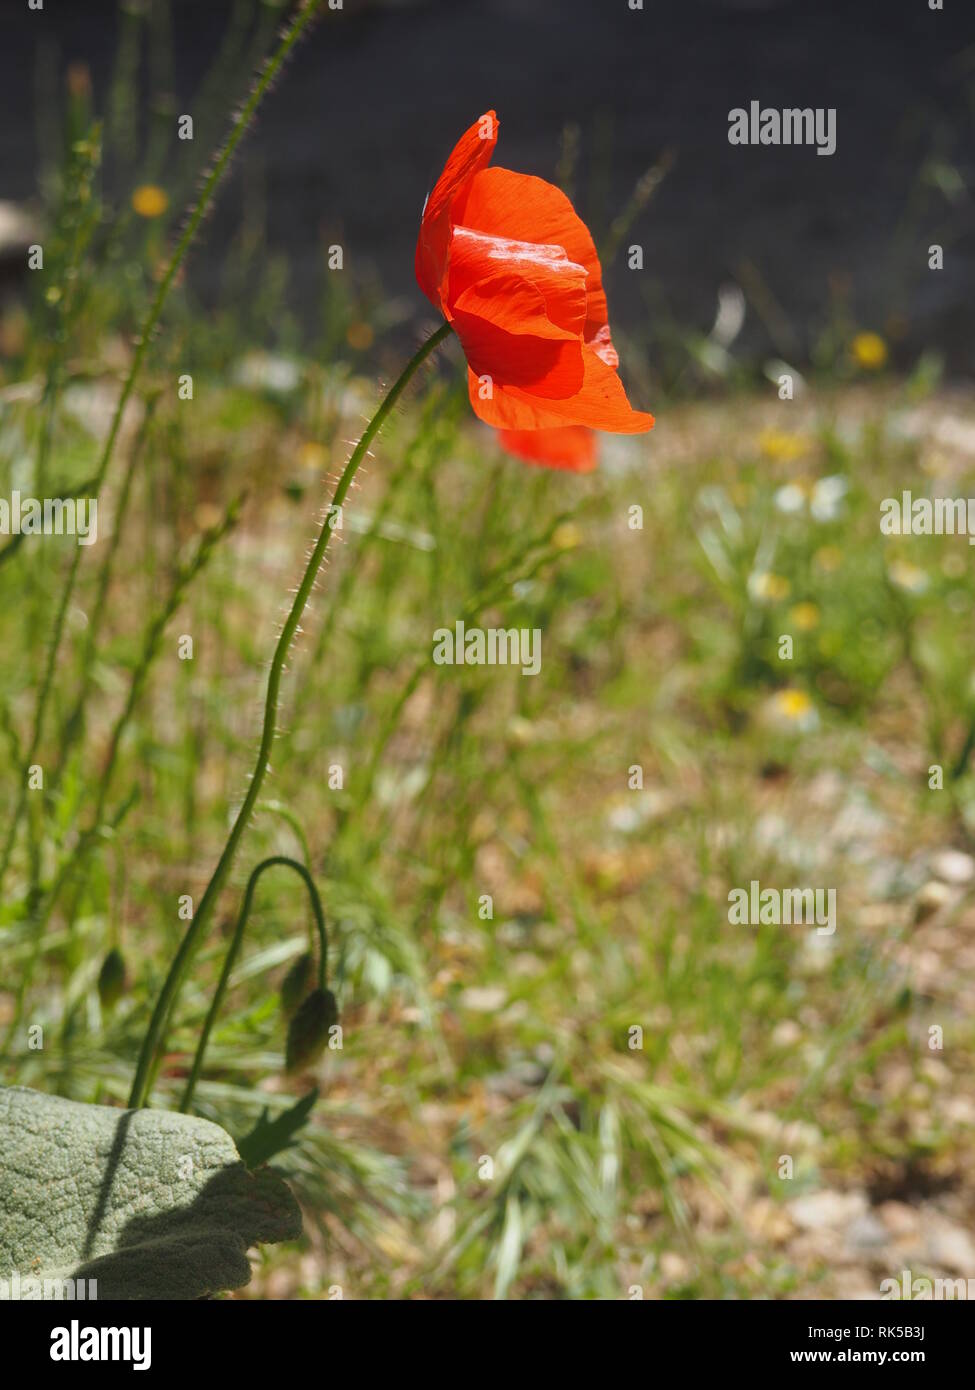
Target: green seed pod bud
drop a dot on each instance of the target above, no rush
(111, 978)
(308, 1030)
(295, 984)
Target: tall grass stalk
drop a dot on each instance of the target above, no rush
(212, 181)
(74, 724)
(89, 837)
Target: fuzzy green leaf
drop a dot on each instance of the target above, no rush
(149, 1203)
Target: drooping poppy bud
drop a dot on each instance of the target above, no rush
(111, 978)
(295, 984)
(308, 1030)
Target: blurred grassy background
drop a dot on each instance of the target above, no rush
(615, 1167)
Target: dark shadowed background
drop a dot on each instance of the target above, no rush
(350, 143)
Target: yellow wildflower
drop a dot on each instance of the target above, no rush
(782, 447)
(792, 704)
(869, 351)
(805, 616)
(567, 536)
(791, 711)
(768, 588)
(828, 558)
(149, 200)
(907, 576)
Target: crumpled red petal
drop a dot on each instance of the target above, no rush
(600, 403)
(472, 152)
(524, 208)
(476, 258)
(547, 367)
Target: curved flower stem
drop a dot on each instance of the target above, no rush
(235, 945)
(154, 1040)
(220, 165)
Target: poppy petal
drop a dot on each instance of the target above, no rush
(600, 403)
(508, 301)
(572, 447)
(521, 207)
(544, 359)
(476, 259)
(472, 152)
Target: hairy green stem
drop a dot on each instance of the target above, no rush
(154, 1040)
(234, 949)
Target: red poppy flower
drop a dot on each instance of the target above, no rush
(513, 269)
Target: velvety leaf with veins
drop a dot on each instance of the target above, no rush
(149, 1203)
